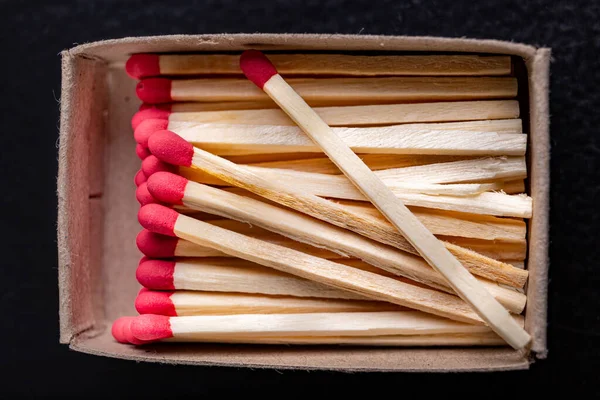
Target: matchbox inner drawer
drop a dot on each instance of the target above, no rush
(98, 223)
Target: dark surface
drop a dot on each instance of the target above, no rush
(32, 33)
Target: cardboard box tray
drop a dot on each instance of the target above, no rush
(97, 216)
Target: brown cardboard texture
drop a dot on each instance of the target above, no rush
(97, 215)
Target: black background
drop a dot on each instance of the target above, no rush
(32, 34)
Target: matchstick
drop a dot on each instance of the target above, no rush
(231, 275)
(173, 189)
(226, 139)
(174, 150)
(166, 221)
(261, 72)
(121, 331)
(150, 327)
(364, 115)
(188, 303)
(150, 65)
(398, 89)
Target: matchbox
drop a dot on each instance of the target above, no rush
(98, 225)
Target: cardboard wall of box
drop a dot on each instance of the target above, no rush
(97, 215)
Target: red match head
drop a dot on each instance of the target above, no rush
(147, 128)
(143, 196)
(141, 151)
(158, 219)
(154, 90)
(155, 302)
(167, 187)
(155, 245)
(156, 274)
(171, 148)
(149, 327)
(142, 65)
(118, 329)
(152, 165)
(139, 178)
(155, 112)
(257, 67)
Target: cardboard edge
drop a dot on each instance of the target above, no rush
(538, 261)
(306, 41)
(282, 361)
(76, 308)
(64, 256)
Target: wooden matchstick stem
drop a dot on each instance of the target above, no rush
(367, 115)
(372, 285)
(445, 340)
(362, 223)
(317, 233)
(514, 251)
(341, 64)
(225, 139)
(319, 324)
(241, 276)
(350, 88)
(189, 303)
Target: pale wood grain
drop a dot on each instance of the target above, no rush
(341, 64)
(225, 139)
(320, 324)
(188, 303)
(367, 114)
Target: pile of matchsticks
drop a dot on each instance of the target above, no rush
(357, 200)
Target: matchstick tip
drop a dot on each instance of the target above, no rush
(158, 218)
(147, 128)
(257, 67)
(167, 187)
(171, 148)
(142, 66)
(141, 151)
(155, 302)
(152, 165)
(156, 274)
(117, 329)
(154, 90)
(139, 178)
(149, 113)
(157, 246)
(149, 327)
(143, 196)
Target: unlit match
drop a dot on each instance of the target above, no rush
(149, 328)
(150, 65)
(231, 275)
